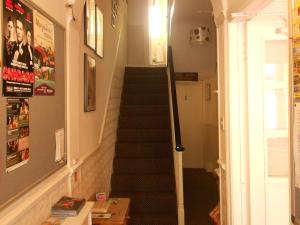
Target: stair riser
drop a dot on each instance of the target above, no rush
(140, 136)
(143, 183)
(145, 89)
(144, 122)
(145, 80)
(144, 111)
(145, 71)
(143, 166)
(143, 150)
(151, 99)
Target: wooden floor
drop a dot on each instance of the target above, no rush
(201, 196)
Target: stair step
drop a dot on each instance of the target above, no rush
(143, 166)
(143, 183)
(144, 135)
(145, 71)
(144, 110)
(145, 88)
(142, 79)
(145, 99)
(155, 219)
(154, 202)
(147, 122)
(143, 150)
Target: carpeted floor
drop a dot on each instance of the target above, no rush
(200, 194)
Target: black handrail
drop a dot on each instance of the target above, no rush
(179, 146)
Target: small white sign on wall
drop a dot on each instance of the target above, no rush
(60, 145)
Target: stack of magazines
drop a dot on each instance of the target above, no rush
(67, 206)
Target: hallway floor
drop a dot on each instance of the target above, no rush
(200, 194)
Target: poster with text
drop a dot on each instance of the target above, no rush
(17, 153)
(296, 70)
(17, 27)
(44, 62)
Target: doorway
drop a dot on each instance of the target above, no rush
(198, 106)
(198, 112)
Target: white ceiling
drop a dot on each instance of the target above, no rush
(192, 9)
(276, 9)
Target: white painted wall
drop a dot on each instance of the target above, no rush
(60, 11)
(227, 7)
(210, 124)
(192, 57)
(90, 136)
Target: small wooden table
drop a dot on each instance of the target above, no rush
(120, 213)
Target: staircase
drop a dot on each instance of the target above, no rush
(143, 165)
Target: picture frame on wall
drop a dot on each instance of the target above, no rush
(90, 24)
(99, 32)
(89, 83)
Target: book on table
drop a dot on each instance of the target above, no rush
(67, 206)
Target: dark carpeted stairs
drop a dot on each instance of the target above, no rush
(143, 165)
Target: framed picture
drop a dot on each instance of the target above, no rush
(99, 32)
(89, 83)
(90, 24)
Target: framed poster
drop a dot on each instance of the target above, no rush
(44, 57)
(90, 24)
(99, 32)
(89, 83)
(17, 28)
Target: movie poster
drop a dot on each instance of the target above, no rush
(17, 73)
(44, 55)
(17, 153)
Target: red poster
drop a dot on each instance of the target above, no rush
(18, 67)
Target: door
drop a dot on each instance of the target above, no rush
(268, 74)
(190, 107)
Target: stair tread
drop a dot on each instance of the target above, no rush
(143, 150)
(154, 219)
(145, 88)
(153, 129)
(165, 194)
(144, 122)
(148, 175)
(147, 106)
(135, 110)
(144, 135)
(145, 99)
(154, 215)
